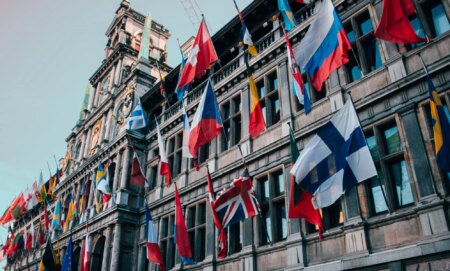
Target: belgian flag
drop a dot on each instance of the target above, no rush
(256, 123)
(48, 261)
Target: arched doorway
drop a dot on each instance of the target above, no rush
(97, 254)
(76, 258)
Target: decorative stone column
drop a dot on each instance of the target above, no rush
(285, 97)
(91, 99)
(86, 143)
(107, 249)
(115, 256)
(107, 126)
(245, 115)
(122, 196)
(118, 73)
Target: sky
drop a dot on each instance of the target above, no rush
(48, 51)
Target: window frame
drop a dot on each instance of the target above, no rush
(270, 205)
(232, 120)
(384, 165)
(175, 153)
(170, 247)
(197, 229)
(265, 101)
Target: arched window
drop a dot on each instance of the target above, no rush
(97, 254)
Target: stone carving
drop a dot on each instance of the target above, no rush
(124, 109)
(67, 158)
(95, 137)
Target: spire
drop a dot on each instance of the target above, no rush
(145, 39)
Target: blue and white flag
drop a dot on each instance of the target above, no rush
(138, 119)
(335, 159)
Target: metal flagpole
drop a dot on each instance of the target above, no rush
(365, 140)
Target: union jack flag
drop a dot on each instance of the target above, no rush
(237, 202)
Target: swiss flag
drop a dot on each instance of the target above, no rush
(394, 23)
(201, 57)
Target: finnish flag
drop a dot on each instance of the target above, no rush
(138, 119)
(335, 159)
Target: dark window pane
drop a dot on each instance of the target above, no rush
(440, 20)
(177, 163)
(281, 221)
(392, 140)
(273, 82)
(279, 183)
(275, 109)
(264, 189)
(319, 95)
(234, 238)
(191, 218)
(351, 36)
(264, 111)
(372, 144)
(372, 54)
(171, 145)
(417, 28)
(202, 239)
(378, 201)
(237, 104)
(266, 231)
(261, 89)
(237, 130)
(365, 25)
(402, 185)
(201, 214)
(164, 228)
(225, 111)
(353, 71)
(226, 134)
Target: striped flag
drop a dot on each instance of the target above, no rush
(256, 123)
(138, 119)
(153, 251)
(102, 183)
(164, 169)
(245, 36)
(288, 17)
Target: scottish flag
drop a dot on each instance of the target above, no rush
(138, 119)
(335, 159)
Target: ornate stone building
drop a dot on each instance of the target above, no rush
(363, 231)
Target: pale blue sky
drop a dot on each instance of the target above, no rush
(48, 51)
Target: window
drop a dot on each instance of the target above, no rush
(269, 98)
(232, 123)
(273, 221)
(314, 95)
(175, 154)
(235, 238)
(392, 182)
(153, 179)
(433, 17)
(196, 227)
(360, 33)
(167, 241)
(445, 99)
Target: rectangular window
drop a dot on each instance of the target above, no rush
(273, 220)
(153, 177)
(167, 241)
(366, 52)
(231, 118)
(269, 98)
(392, 187)
(196, 227)
(175, 154)
(235, 239)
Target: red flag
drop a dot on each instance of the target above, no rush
(394, 23)
(29, 241)
(16, 209)
(46, 220)
(223, 244)
(41, 233)
(137, 178)
(164, 167)
(181, 235)
(201, 57)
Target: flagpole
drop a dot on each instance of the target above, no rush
(365, 140)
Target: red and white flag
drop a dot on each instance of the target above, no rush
(164, 169)
(153, 251)
(137, 177)
(86, 254)
(201, 57)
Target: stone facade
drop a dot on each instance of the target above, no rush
(398, 221)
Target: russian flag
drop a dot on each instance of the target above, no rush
(207, 123)
(164, 169)
(153, 251)
(324, 48)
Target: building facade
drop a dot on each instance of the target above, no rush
(396, 221)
